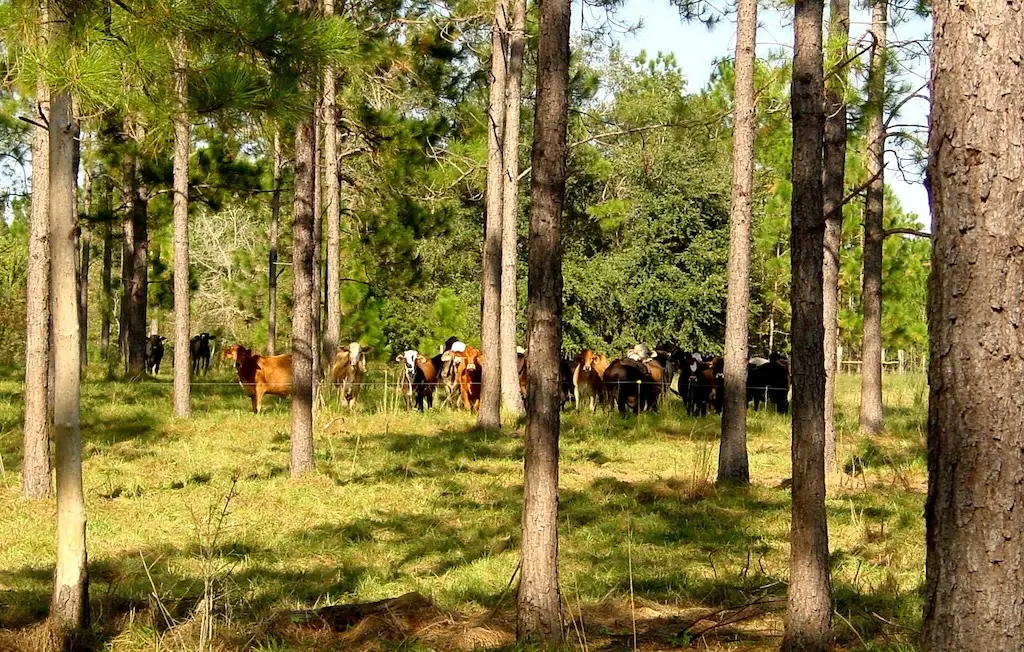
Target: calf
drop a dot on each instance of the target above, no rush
(418, 380)
(587, 372)
(199, 350)
(469, 374)
(260, 375)
(154, 353)
(347, 371)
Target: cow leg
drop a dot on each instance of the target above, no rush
(576, 395)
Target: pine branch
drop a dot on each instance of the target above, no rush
(905, 231)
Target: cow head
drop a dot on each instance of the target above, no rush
(238, 353)
(409, 359)
(357, 355)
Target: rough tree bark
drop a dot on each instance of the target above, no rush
(809, 609)
(69, 608)
(511, 399)
(35, 466)
(275, 221)
(975, 524)
(332, 199)
(182, 317)
(732, 458)
(833, 188)
(303, 334)
(490, 319)
(539, 611)
(871, 418)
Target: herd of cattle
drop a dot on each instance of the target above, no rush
(638, 381)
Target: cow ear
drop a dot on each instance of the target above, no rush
(367, 349)
(398, 358)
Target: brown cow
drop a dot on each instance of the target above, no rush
(469, 374)
(260, 375)
(658, 379)
(347, 371)
(587, 371)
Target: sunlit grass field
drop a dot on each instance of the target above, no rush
(198, 539)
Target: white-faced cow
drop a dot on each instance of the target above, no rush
(347, 371)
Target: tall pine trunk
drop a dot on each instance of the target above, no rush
(122, 317)
(975, 549)
(539, 611)
(809, 608)
(490, 319)
(318, 239)
(69, 608)
(732, 458)
(833, 180)
(84, 261)
(303, 325)
(136, 268)
(35, 466)
(107, 304)
(511, 399)
(182, 317)
(332, 197)
(275, 221)
(871, 419)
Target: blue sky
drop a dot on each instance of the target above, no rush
(696, 48)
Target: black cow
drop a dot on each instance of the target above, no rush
(565, 389)
(154, 353)
(697, 386)
(769, 383)
(199, 350)
(673, 358)
(629, 384)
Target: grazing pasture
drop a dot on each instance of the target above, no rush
(198, 539)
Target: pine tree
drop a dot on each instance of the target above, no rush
(871, 417)
(35, 466)
(975, 552)
(511, 398)
(69, 607)
(834, 164)
(539, 609)
(489, 415)
(732, 457)
(809, 608)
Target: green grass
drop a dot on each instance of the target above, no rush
(407, 502)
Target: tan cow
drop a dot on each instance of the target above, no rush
(260, 375)
(347, 371)
(469, 374)
(587, 371)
